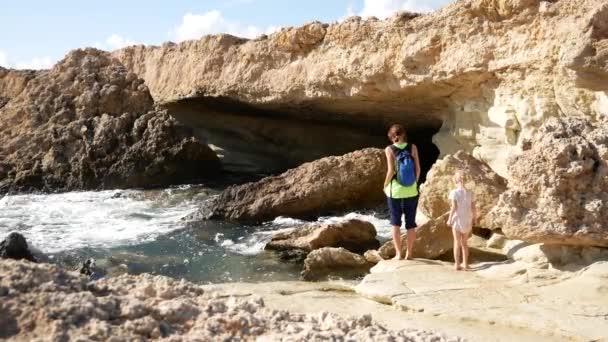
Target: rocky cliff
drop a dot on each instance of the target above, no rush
(483, 73)
(88, 123)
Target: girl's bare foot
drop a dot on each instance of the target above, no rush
(408, 257)
(397, 257)
(457, 268)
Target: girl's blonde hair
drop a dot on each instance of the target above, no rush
(458, 178)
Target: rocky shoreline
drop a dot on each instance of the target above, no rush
(41, 301)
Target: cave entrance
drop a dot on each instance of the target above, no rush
(253, 140)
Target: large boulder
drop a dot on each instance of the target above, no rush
(485, 184)
(14, 246)
(351, 181)
(329, 260)
(89, 123)
(355, 235)
(559, 186)
(433, 239)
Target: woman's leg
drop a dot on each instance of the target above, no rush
(397, 242)
(411, 237)
(457, 249)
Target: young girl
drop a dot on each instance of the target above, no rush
(402, 200)
(462, 215)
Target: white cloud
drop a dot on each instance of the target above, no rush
(385, 8)
(114, 42)
(194, 26)
(45, 62)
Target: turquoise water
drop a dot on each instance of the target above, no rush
(136, 231)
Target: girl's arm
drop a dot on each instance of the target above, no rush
(474, 211)
(416, 161)
(390, 161)
(453, 205)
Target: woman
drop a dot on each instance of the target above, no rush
(401, 188)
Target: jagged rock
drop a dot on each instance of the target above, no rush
(44, 302)
(485, 184)
(558, 191)
(88, 123)
(351, 181)
(328, 260)
(486, 72)
(433, 239)
(354, 235)
(14, 246)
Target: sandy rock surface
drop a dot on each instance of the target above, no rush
(354, 235)
(559, 186)
(86, 123)
(484, 183)
(556, 305)
(351, 181)
(433, 239)
(39, 301)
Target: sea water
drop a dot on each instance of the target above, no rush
(137, 231)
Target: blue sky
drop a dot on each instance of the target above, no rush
(35, 34)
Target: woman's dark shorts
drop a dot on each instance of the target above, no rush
(403, 206)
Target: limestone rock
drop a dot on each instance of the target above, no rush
(556, 255)
(347, 182)
(496, 241)
(88, 123)
(485, 184)
(433, 239)
(329, 260)
(44, 302)
(354, 235)
(559, 186)
(14, 246)
(373, 256)
(486, 72)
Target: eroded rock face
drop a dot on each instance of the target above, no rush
(88, 123)
(43, 302)
(559, 188)
(485, 184)
(354, 235)
(489, 72)
(328, 260)
(347, 182)
(433, 239)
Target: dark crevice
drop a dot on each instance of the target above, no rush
(271, 140)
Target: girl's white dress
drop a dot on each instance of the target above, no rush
(463, 217)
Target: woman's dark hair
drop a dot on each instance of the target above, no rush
(395, 132)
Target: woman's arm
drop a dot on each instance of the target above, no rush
(390, 161)
(416, 161)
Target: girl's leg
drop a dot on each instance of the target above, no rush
(465, 250)
(457, 249)
(397, 242)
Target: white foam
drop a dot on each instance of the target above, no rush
(58, 222)
(252, 244)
